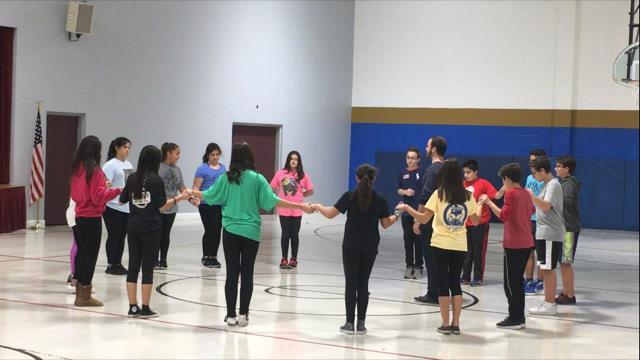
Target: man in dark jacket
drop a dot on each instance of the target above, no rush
(565, 167)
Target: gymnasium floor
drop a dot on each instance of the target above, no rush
(296, 314)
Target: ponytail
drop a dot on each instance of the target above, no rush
(364, 192)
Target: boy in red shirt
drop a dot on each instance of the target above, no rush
(518, 243)
(478, 235)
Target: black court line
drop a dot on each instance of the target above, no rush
(161, 291)
(21, 351)
(219, 329)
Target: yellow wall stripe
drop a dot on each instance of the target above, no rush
(625, 119)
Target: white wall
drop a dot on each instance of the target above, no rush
(489, 54)
(185, 71)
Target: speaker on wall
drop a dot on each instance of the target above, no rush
(79, 18)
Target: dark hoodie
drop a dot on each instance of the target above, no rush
(571, 203)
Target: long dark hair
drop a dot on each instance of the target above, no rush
(167, 148)
(364, 192)
(87, 155)
(148, 163)
(115, 144)
(450, 183)
(241, 159)
(210, 148)
(299, 169)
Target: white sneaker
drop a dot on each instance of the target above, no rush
(408, 273)
(545, 308)
(231, 321)
(243, 320)
(417, 273)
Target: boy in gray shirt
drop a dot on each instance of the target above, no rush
(549, 232)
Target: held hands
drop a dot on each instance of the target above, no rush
(108, 183)
(401, 207)
(308, 208)
(483, 199)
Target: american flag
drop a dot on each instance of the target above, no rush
(37, 163)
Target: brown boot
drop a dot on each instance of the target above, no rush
(85, 297)
(78, 295)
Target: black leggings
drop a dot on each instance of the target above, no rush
(240, 256)
(167, 224)
(477, 240)
(143, 252)
(515, 261)
(290, 230)
(89, 231)
(116, 223)
(448, 265)
(412, 244)
(432, 272)
(357, 270)
(211, 216)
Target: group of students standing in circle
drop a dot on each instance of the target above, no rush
(444, 212)
(141, 205)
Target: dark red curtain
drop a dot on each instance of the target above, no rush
(6, 84)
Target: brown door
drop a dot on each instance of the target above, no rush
(61, 142)
(263, 141)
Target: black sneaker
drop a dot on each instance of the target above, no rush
(510, 324)
(446, 330)
(563, 299)
(214, 263)
(426, 299)
(134, 311)
(116, 270)
(162, 265)
(205, 261)
(455, 330)
(147, 313)
(347, 328)
(360, 328)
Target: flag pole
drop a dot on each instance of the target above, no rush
(38, 224)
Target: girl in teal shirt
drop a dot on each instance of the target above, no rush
(242, 193)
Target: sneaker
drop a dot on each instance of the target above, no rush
(426, 299)
(530, 287)
(360, 328)
(157, 266)
(417, 273)
(134, 311)
(243, 320)
(455, 330)
(117, 269)
(563, 299)
(214, 263)
(162, 265)
(293, 263)
(408, 273)
(446, 330)
(205, 261)
(464, 281)
(476, 283)
(510, 324)
(545, 308)
(147, 313)
(539, 287)
(347, 328)
(284, 264)
(231, 321)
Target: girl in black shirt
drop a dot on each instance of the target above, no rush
(364, 208)
(144, 190)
